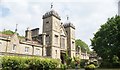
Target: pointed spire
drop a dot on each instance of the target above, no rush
(67, 17)
(16, 28)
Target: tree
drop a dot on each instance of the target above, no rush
(106, 41)
(8, 32)
(82, 44)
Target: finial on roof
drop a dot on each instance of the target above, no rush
(16, 28)
(28, 28)
(67, 17)
(51, 5)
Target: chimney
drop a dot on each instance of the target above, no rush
(35, 32)
(28, 34)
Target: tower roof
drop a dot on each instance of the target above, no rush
(51, 13)
(69, 24)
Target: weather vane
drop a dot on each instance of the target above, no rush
(51, 5)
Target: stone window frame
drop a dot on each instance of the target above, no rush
(73, 45)
(56, 39)
(56, 53)
(63, 42)
(26, 49)
(47, 39)
(37, 51)
(14, 47)
(47, 25)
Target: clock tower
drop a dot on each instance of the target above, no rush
(51, 26)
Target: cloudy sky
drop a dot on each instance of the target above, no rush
(86, 15)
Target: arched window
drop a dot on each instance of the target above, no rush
(14, 47)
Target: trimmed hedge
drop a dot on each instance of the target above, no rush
(28, 63)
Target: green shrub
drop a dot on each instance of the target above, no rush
(90, 67)
(0, 62)
(25, 63)
(63, 67)
(83, 63)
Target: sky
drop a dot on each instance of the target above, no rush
(86, 15)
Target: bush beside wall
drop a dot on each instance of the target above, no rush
(28, 63)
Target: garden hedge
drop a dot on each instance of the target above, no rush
(28, 63)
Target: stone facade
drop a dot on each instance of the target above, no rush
(56, 39)
(60, 37)
(12, 45)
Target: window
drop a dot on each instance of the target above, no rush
(66, 32)
(62, 43)
(56, 39)
(47, 39)
(14, 46)
(26, 49)
(47, 22)
(73, 45)
(56, 53)
(47, 25)
(37, 51)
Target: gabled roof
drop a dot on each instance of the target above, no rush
(23, 40)
(62, 27)
(5, 35)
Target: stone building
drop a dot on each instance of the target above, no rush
(12, 45)
(56, 39)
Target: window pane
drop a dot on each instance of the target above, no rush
(14, 46)
(26, 49)
(56, 39)
(62, 43)
(73, 45)
(37, 51)
(56, 53)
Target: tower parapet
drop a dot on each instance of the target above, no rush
(69, 25)
(51, 13)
